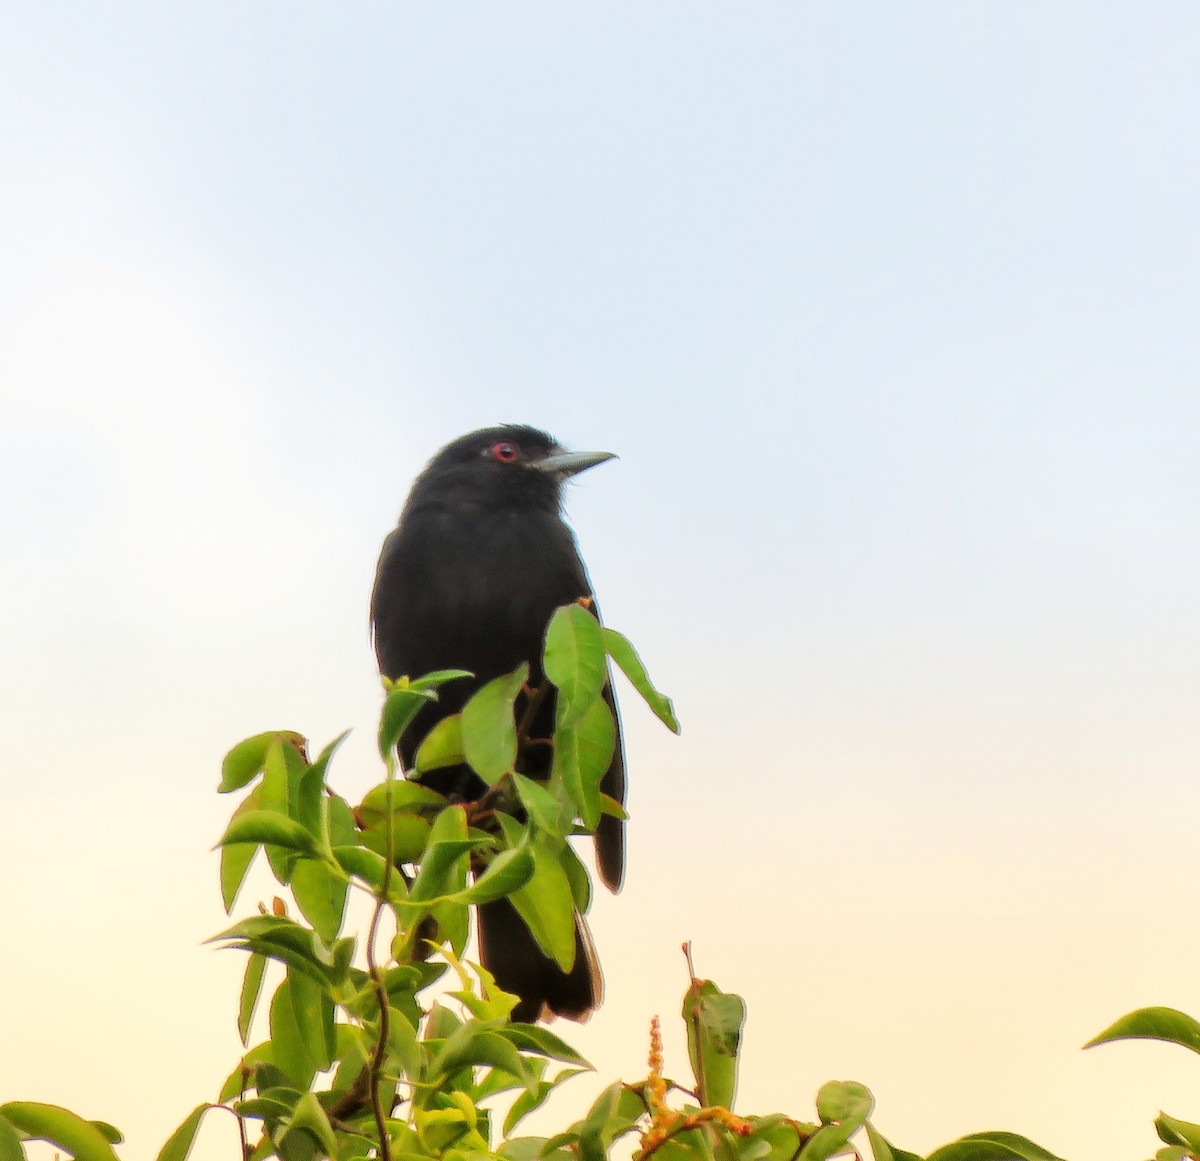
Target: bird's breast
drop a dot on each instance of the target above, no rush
(474, 591)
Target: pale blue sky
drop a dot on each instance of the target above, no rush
(890, 311)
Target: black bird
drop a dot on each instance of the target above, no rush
(468, 579)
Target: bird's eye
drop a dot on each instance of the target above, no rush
(506, 453)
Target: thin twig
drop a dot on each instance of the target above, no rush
(381, 993)
(377, 1058)
(692, 1015)
(354, 1098)
(247, 1152)
(536, 697)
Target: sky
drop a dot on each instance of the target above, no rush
(888, 309)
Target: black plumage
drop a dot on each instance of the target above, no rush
(469, 578)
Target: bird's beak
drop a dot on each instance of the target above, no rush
(566, 464)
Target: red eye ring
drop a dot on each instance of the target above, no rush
(504, 452)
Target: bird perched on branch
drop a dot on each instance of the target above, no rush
(469, 578)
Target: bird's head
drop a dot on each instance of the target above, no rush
(505, 466)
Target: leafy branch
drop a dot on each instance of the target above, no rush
(363, 1061)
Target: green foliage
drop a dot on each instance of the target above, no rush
(360, 1062)
(1181, 1139)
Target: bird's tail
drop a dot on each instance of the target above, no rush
(508, 950)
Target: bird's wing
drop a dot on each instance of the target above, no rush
(610, 834)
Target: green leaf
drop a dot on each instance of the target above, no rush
(268, 828)
(326, 755)
(444, 856)
(438, 678)
(442, 746)
(611, 806)
(525, 1104)
(69, 1131)
(449, 826)
(246, 760)
(843, 1106)
(406, 797)
(353, 1051)
(488, 726)
(714, 1026)
(883, 1150)
(535, 1038)
(251, 989)
(313, 1012)
(615, 1112)
(472, 1045)
(265, 1108)
(274, 792)
(400, 706)
(578, 877)
(533, 1149)
(10, 1143)
(544, 809)
(237, 857)
(842, 1101)
(310, 803)
(282, 770)
(403, 1045)
(1153, 1024)
(995, 1146)
(828, 1141)
(547, 906)
(1172, 1131)
(630, 664)
(235, 1082)
(341, 955)
(409, 837)
(179, 1144)
(441, 1023)
(235, 865)
(281, 939)
(582, 754)
(574, 660)
(313, 807)
(310, 1116)
(453, 919)
(291, 1051)
(507, 872)
(342, 828)
(773, 1138)
(367, 865)
(321, 896)
(441, 1131)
